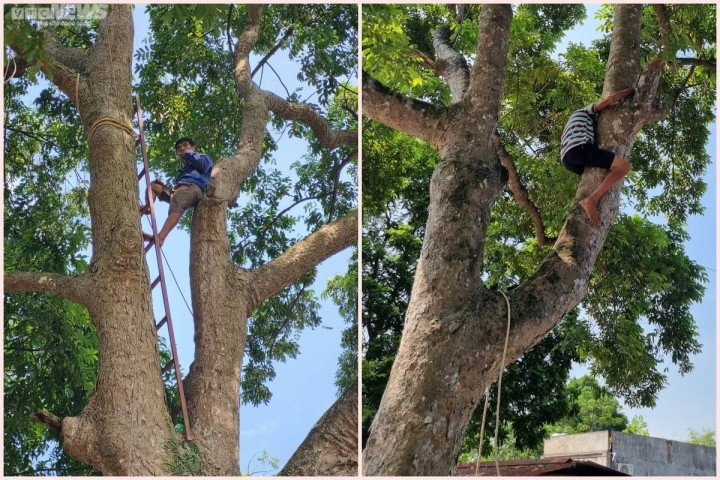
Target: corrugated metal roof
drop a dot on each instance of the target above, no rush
(532, 468)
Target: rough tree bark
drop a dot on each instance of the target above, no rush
(331, 447)
(454, 327)
(125, 428)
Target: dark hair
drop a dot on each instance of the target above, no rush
(184, 139)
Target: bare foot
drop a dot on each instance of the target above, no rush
(592, 211)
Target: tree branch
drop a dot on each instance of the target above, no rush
(664, 24)
(426, 59)
(561, 281)
(450, 64)
(302, 257)
(15, 68)
(272, 51)
(487, 77)
(709, 63)
(227, 30)
(48, 419)
(520, 193)
(306, 114)
(76, 289)
(330, 449)
(414, 117)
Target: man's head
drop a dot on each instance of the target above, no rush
(183, 144)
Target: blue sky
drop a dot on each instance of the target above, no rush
(688, 401)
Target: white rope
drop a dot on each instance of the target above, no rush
(7, 79)
(502, 366)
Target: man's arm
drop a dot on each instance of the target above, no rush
(613, 98)
(201, 162)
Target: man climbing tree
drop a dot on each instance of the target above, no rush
(190, 185)
(253, 279)
(578, 150)
(484, 133)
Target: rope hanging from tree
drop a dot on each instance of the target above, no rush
(497, 406)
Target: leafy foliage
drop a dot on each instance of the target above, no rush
(702, 437)
(50, 346)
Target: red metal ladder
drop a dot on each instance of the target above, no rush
(167, 320)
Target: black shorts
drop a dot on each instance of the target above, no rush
(587, 155)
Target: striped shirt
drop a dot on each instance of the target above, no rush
(579, 129)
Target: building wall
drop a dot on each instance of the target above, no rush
(592, 446)
(656, 456)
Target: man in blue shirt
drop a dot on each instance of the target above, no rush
(190, 185)
(579, 150)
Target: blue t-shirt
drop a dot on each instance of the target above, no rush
(196, 170)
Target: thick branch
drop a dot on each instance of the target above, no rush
(62, 75)
(487, 77)
(664, 24)
(302, 257)
(561, 281)
(48, 419)
(709, 63)
(520, 193)
(75, 289)
(414, 117)
(306, 114)
(331, 447)
(450, 64)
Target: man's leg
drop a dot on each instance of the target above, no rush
(170, 222)
(618, 169)
(156, 190)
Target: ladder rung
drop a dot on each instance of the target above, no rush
(148, 237)
(160, 324)
(149, 246)
(137, 141)
(167, 366)
(155, 282)
(140, 175)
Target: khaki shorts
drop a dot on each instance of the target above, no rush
(184, 196)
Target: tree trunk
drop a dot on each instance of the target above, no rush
(331, 447)
(124, 429)
(452, 342)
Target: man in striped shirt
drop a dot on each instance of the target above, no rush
(579, 150)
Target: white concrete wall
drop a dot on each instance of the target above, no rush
(592, 446)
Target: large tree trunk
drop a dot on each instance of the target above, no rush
(454, 332)
(124, 429)
(331, 447)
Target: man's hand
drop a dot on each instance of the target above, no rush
(613, 98)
